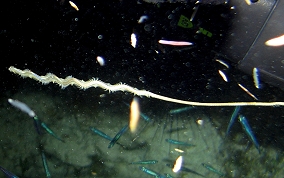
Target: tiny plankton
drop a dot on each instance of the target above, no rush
(101, 61)
(74, 5)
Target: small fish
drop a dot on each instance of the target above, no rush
(117, 136)
(100, 133)
(210, 168)
(169, 176)
(45, 164)
(145, 162)
(7, 173)
(179, 110)
(248, 130)
(150, 172)
(37, 124)
(175, 142)
(191, 171)
(185, 169)
(232, 120)
(50, 131)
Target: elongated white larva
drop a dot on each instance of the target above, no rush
(222, 62)
(74, 5)
(133, 40)
(178, 164)
(277, 41)
(223, 75)
(255, 78)
(175, 43)
(22, 106)
(134, 115)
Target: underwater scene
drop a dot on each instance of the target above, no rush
(96, 89)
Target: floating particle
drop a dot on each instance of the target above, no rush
(142, 19)
(101, 61)
(134, 115)
(255, 78)
(223, 75)
(199, 121)
(175, 43)
(278, 41)
(133, 40)
(178, 164)
(73, 5)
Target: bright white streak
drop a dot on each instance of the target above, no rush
(101, 61)
(74, 5)
(255, 77)
(278, 41)
(22, 106)
(175, 43)
(223, 63)
(178, 164)
(134, 115)
(133, 40)
(248, 92)
(179, 150)
(223, 75)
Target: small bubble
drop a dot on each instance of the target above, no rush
(187, 64)
(76, 19)
(170, 16)
(147, 27)
(100, 37)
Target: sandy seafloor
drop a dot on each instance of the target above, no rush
(70, 113)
